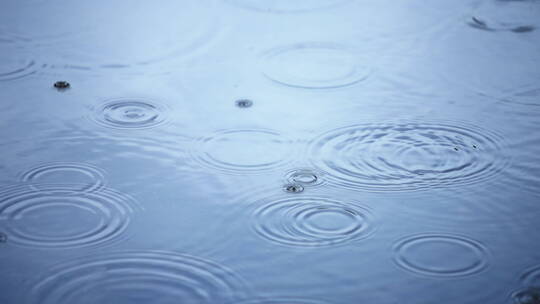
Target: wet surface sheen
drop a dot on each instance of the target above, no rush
(269, 152)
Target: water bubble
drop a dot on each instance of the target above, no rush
(62, 85)
(514, 16)
(60, 177)
(312, 221)
(305, 177)
(244, 103)
(38, 218)
(241, 151)
(130, 114)
(407, 156)
(137, 277)
(293, 188)
(527, 296)
(427, 254)
(314, 66)
(286, 6)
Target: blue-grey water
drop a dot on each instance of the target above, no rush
(270, 152)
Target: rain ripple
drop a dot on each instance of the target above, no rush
(315, 65)
(16, 65)
(41, 218)
(312, 221)
(240, 151)
(130, 114)
(407, 156)
(441, 255)
(93, 178)
(137, 277)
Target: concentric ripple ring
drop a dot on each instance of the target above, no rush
(130, 114)
(137, 277)
(441, 255)
(314, 65)
(312, 221)
(93, 177)
(40, 218)
(240, 151)
(407, 156)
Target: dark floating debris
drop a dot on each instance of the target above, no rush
(244, 103)
(474, 146)
(3, 237)
(456, 149)
(293, 188)
(527, 296)
(62, 85)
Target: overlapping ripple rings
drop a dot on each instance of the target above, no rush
(137, 277)
(286, 6)
(312, 221)
(41, 218)
(240, 151)
(130, 114)
(314, 65)
(407, 156)
(441, 255)
(89, 177)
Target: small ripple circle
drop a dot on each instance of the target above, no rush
(137, 277)
(441, 255)
(407, 156)
(312, 221)
(48, 219)
(61, 177)
(305, 176)
(130, 114)
(240, 151)
(314, 65)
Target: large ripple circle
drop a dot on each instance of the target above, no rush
(41, 218)
(63, 175)
(243, 150)
(407, 156)
(441, 255)
(314, 66)
(286, 6)
(312, 221)
(130, 114)
(137, 277)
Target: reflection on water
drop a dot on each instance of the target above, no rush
(250, 151)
